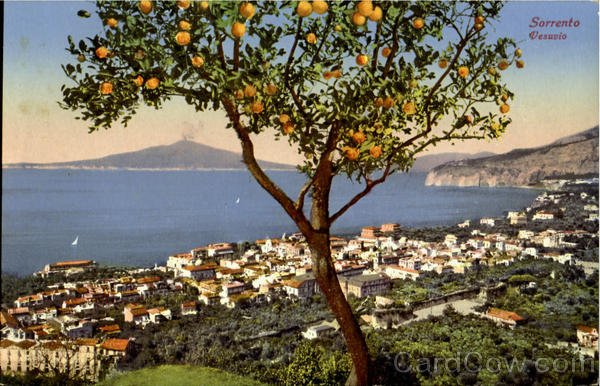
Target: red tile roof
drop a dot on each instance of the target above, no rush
(72, 263)
(8, 319)
(115, 344)
(503, 314)
(293, 283)
(86, 342)
(587, 329)
(25, 344)
(111, 328)
(195, 268)
(4, 343)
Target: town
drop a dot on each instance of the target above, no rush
(81, 323)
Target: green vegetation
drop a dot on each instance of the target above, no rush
(179, 376)
(470, 350)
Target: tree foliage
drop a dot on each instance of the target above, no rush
(273, 70)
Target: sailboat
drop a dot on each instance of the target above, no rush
(74, 243)
(237, 201)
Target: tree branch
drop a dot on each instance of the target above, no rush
(322, 181)
(295, 97)
(370, 184)
(263, 180)
(236, 54)
(327, 29)
(300, 201)
(220, 45)
(377, 42)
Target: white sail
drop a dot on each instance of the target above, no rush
(237, 201)
(74, 243)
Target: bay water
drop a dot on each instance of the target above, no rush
(141, 217)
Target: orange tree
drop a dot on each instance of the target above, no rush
(357, 88)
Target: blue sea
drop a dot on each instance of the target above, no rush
(141, 217)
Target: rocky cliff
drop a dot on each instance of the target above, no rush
(569, 157)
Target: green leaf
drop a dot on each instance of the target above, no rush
(83, 13)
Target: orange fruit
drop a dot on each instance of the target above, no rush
(379, 102)
(504, 108)
(409, 108)
(520, 64)
(358, 19)
(359, 137)
(145, 6)
(271, 89)
(418, 23)
(376, 14)
(361, 60)
(337, 74)
(81, 58)
(469, 119)
(247, 10)
(375, 151)
(184, 25)
(183, 38)
(389, 102)
(337, 28)
(204, 5)
(152, 83)
(365, 7)
(327, 75)
(138, 81)
(106, 88)
(311, 38)
(183, 4)
(351, 153)
(304, 9)
(503, 65)
(249, 91)
(101, 52)
(239, 94)
(463, 71)
(443, 63)
(238, 29)
(112, 22)
(478, 27)
(197, 61)
(284, 118)
(518, 53)
(504, 97)
(257, 107)
(386, 52)
(320, 7)
(288, 128)
(479, 19)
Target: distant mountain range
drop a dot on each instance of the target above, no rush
(190, 155)
(569, 157)
(427, 162)
(185, 155)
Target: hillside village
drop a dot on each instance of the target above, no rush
(79, 327)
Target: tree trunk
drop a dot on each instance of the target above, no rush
(327, 279)
(317, 235)
(330, 286)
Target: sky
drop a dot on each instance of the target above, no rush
(556, 92)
